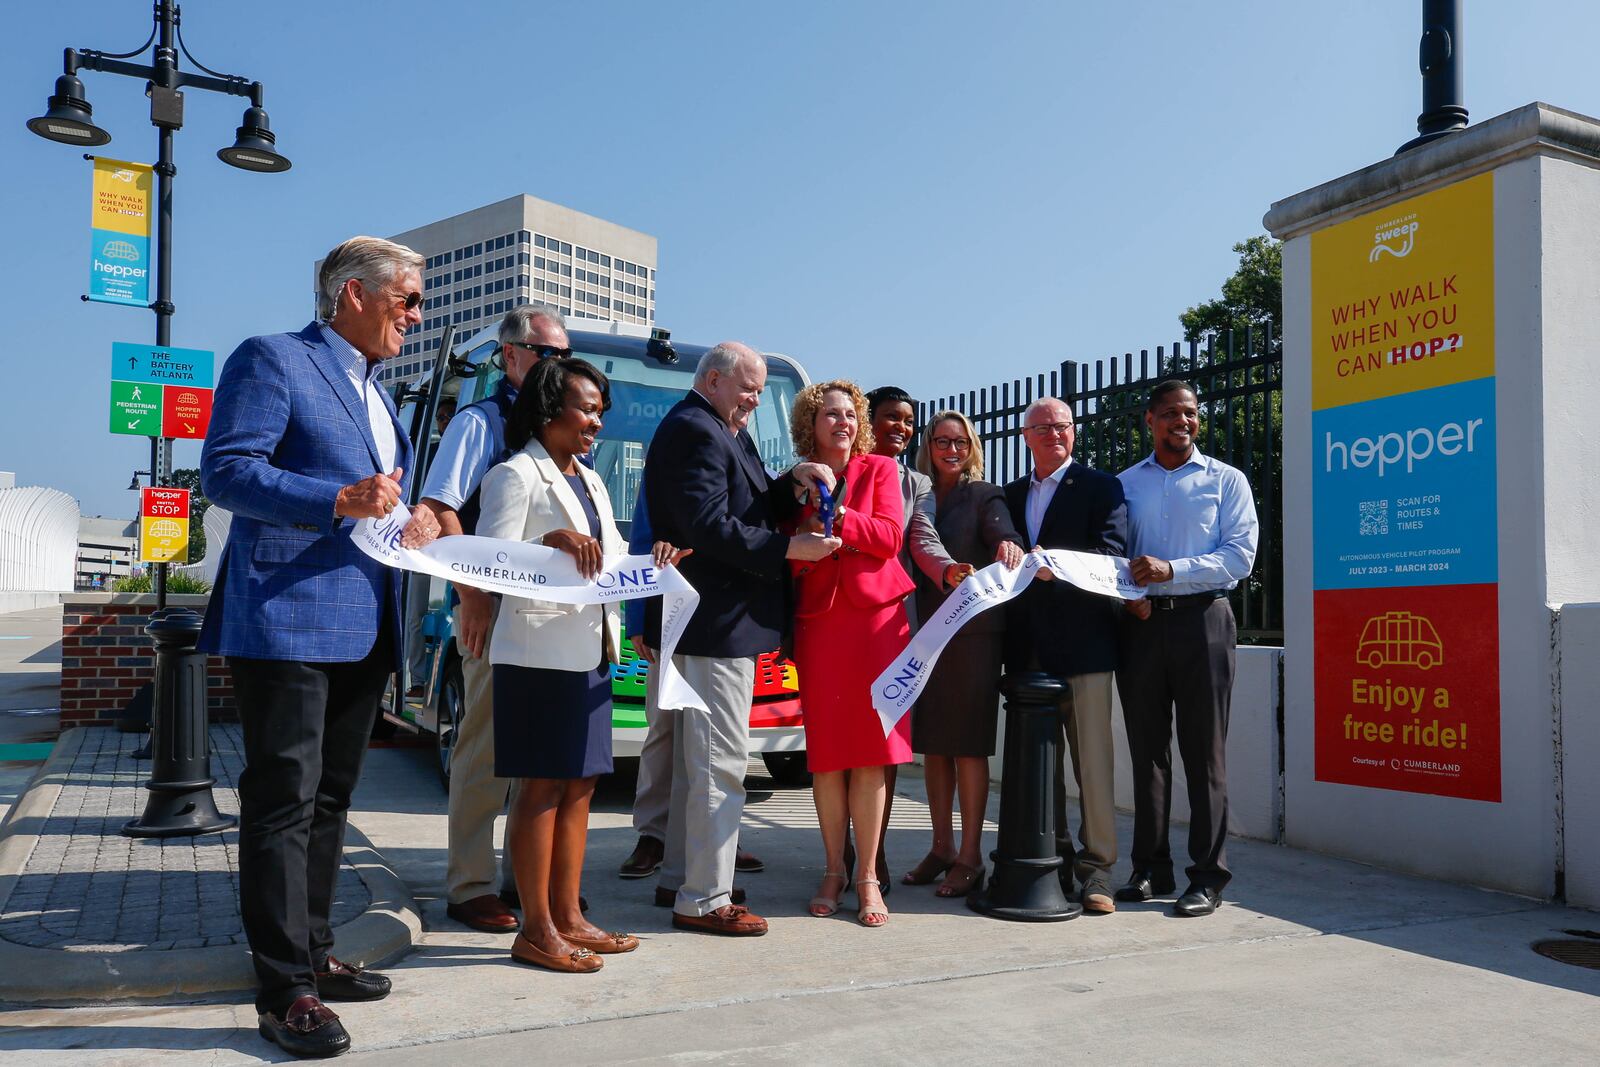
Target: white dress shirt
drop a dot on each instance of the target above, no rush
(1040, 493)
(361, 372)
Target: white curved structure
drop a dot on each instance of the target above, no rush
(38, 539)
(216, 525)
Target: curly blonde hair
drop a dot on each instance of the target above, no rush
(972, 466)
(803, 417)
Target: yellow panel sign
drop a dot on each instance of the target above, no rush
(1402, 299)
(163, 540)
(121, 197)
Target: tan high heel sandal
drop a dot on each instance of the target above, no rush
(822, 906)
(867, 912)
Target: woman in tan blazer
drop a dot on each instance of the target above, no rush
(552, 662)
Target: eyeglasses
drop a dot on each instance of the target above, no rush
(952, 444)
(543, 351)
(413, 300)
(1051, 429)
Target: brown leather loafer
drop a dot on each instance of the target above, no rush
(1097, 900)
(665, 897)
(730, 920)
(308, 1029)
(578, 961)
(646, 858)
(609, 945)
(484, 913)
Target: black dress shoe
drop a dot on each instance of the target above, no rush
(1142, 885)
(337, 980)
(308, 1029)
(665, 897)
(1197, 901)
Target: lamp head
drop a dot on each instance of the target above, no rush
(252, 147)
(68, 118)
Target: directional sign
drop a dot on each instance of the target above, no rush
(136, 408)
(185, 412)
(163, 525)
(160, 392)
(161, 366)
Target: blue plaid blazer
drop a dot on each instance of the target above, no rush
(288, 431)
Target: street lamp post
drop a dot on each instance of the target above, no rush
(1444, 108)
(180, 800)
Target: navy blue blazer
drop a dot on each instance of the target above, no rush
(706, 489)
(288, 431)
(1069, 631)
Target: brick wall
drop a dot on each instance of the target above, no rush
(106, 656)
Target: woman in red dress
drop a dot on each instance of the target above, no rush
(850, 621)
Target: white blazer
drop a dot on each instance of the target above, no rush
(523, 499)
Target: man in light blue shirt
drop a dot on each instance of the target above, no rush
(1192, 535)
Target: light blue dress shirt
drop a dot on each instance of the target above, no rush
(362, 374)
(466, 452)
(1201, 518)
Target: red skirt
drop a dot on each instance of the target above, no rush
(839, 654)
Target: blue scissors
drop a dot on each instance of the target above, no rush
(828, 505)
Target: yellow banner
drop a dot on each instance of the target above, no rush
(121, 197)
(163, 540)
(1402, 299)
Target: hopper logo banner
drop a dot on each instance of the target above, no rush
(119, 245)
(1405, 519)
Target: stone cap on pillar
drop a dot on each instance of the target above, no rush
(1535, 128)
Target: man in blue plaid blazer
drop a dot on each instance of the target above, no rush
(303, 442)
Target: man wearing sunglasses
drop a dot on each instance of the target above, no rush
(472, 443)
(303, 443)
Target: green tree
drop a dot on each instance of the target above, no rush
(189, 478)
(1251, 295)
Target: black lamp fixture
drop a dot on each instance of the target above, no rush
(253, 145)
(133, 483)
(67, 119)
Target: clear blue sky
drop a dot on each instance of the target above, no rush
(928, 193)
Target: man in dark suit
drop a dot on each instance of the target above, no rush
(304, 442)
(706, 490)
(1063, 630)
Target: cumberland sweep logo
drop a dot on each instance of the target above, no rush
(1396, 237)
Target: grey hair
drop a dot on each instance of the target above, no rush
(1044, 402)
(366, 259)
(515, 326)
(722, 358)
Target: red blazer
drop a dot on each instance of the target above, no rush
(866, 572)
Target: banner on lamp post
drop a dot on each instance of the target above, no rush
(119, 246)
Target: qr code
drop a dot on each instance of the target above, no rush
(1374, 518)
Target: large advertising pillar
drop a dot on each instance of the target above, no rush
(1437, 392)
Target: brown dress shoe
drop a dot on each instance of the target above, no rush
(578, 961)
(747, 863)
(730, 920)
(307, 1029)
(646, 858)
(1097, 900)
(484, 913)
(609, 945)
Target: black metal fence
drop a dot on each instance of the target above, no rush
(1240, 383)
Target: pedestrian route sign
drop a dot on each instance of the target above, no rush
(163, 525)
(160, 392)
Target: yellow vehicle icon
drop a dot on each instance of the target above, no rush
(1399, 638)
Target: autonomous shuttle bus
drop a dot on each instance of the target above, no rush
(649, 373)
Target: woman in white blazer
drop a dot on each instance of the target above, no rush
(552, 662)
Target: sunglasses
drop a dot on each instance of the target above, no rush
(543, 351)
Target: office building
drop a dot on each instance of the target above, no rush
(482, 263)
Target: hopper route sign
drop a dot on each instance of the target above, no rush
(160, 392)
(163, 525)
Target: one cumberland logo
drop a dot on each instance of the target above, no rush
(1396, 237)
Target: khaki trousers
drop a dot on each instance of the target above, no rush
(1086, 726)
(654, 794)
(477, 797)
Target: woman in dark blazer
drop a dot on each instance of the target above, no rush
(552, 662)
(953, 722)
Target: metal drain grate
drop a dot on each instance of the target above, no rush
(1577, 953)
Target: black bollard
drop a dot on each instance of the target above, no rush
(180, 800)
(1026, 882)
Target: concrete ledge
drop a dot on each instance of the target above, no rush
(388, 928)
(11, 600)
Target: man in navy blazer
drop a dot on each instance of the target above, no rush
(303, 442)
(706, 489)
(1063, 630)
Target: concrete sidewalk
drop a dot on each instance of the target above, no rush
(1310, 959)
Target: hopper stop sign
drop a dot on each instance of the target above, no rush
(185, 411)
(163, 525)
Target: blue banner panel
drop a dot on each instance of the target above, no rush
(119, 268)
(1403, 490)
(132, 362)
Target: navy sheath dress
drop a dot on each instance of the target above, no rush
(551, 723)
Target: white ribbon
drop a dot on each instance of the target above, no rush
(534, 572)
(898, 686)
